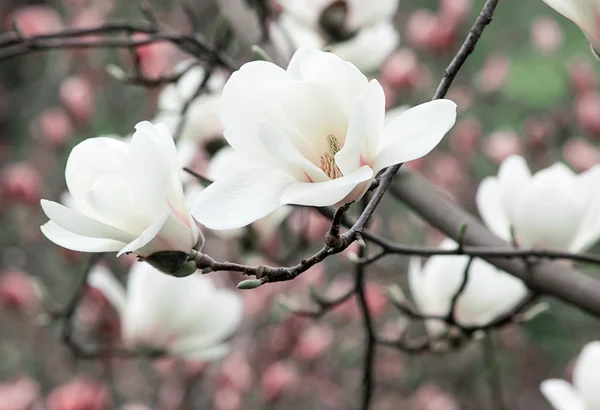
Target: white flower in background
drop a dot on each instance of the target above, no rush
(314, 135)
(359, 31)
(553, 208)
(584, 393)
(202, 122)
(584, 13)
(127, 197)
(489, 292)
(186, 316)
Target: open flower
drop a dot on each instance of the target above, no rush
(127, 197)
(489, 292)
(584, 393)
(202, 123)
(584, 13)
(314, 135)
(187, 316)
(359, 31)
(554, 208)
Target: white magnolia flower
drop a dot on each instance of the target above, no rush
(202, 123)
(315, 136)
(127, 197)
(185, 316)
(365, 37)
(584, 13)
(489, 292)
(584, 393)
(554, 208)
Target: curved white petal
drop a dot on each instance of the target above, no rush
(589, 228)
(365, 12)
(581, 12)
(491, 208)
(288, 34)
(241, 198)
(193, 349)
(147, 236)
(69, 240)
(346, 81)
(369, 48)
(202, 122)
(513, 179)
(79, 224)
(102, 279)
(561, 395)
(325, 193)
(585, 375)
(306, 12)
(366, 124)
(415, 133)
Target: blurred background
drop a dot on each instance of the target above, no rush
(531, 87)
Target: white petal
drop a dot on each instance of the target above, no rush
(364, 13)
(415, 282)
(288, 34)
(368, 49)
(192, 349)
(306, 12)
(585, 375)
(491, 208)
(513, 179)
(550, 212)
(202, 122)
(241, 198)
(69, 240)
(580, 12)
(346, 81)
(589, 228)
(325, 193)
(415, 133)
(102, 279)
(80, 224)
(366, 124)
(561, 395)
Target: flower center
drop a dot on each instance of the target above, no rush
(328, 164)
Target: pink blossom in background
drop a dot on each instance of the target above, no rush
(135, 406)
(156, 59)
(428, 31)
(18, 291)
(98, 315)
(431, 397)
(21, 393)
(277, 379)
(53, 127)
(235, 372)
(538, 131)
(587, 107)
(546, 35)
(77, 97)
(580, 154)
(314, 342)
(455, 12)
(34, 20)
(21, 182)
(401, 69)
(493, 76)
(82, 393)
(465, 136)
(500, 145)
(446, 171)
(582, 76)
(227, 398)
(462, 95)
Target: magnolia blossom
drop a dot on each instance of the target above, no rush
(186, 316)
(584, 393)
(584, 13)
(126, 197)
(312, 135)
(202, 123)
(360, 31)
(554, 208)
(489, 292)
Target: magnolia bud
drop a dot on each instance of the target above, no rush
(174, 263)
(249, 284)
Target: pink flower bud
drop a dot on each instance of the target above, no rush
(81, 393)
(236, 373)
(34, 20)
(314, 342)
(546, 35)
(500, 145)
(582, 76)
(465, 137)
(538, 131)
(277, 379)
(401, 69)
(227, 398)
(21, 182)
(455, 12)
(19, 394)
(587, 108)
(430, 397)
(77, 96)
(580, 154)
(155, 58)
(17, 291)
(55, 127)
(494, 74)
